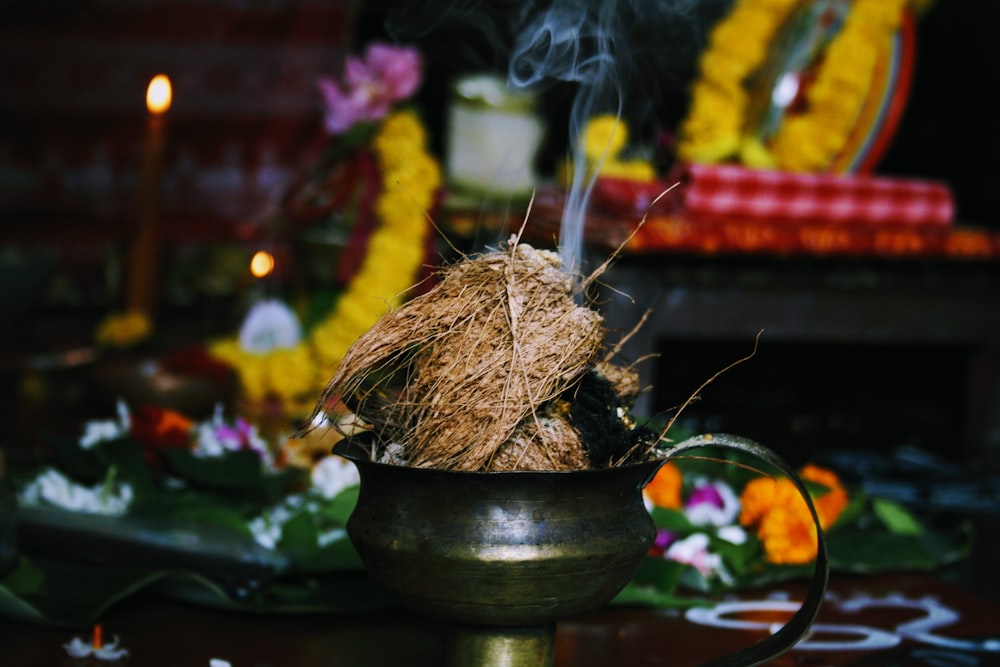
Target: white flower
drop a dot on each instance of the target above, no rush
(51, 487)
(394, 454)
(77, 648)
(96, 432)
(332, 474)
(733, 534)
(693, 550)
(267, 527)
(216, 437)
(721, 510)
(270, 325)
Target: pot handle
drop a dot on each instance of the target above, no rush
(798, 625)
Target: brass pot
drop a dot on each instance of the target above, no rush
(500, 548)
(504, 555)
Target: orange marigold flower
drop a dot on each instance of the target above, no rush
(814, 473)
(784, 524)
(830, 504)
(158, 429)
(664, 490)
(788, 535)
(762, 495)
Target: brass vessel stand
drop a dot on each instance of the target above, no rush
(502, 556)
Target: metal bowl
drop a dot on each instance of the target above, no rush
(500, 548)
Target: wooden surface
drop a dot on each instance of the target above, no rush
(912, 620)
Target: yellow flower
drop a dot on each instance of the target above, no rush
(602, 141)
(286, 374)
(717, 127)
(603, 137)
(410, 179)
(633, 170)
(123, 330)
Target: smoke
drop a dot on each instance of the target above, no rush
(577, 42)
(618, 54)
(622, 57)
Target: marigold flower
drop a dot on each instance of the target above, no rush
(811, 139)
(784, 525)
(158, 429)
(291, 373)
(632, 170)
(123, 330)
(603, 137)
(788, 535)
(761, 495)
(830, 504)
(664, 490)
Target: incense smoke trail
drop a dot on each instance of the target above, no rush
(611, 50)
(619, 54)
(571, 41)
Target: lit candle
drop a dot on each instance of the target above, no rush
(261, 264)
(143, 258)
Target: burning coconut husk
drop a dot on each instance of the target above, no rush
(497, 367)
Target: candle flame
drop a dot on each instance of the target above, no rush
(159, 94)
(261, 264)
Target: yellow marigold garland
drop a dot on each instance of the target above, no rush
(715, 129)
(410, 178)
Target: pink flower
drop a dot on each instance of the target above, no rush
(693, 551)
(664, 538)
(712, 503)
(370, 86)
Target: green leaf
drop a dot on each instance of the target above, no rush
(739, 558)
(128, 457)
(636, 594)
(659, 573)
(25, 579)
(76, 462)
(72, 594)
(672, 520)
(214, 516)
(13, 606)
(897, 519)
(241, 473)
(299, 538)
(655, 583)
(338, 555)
(340, 507)
(856, 510)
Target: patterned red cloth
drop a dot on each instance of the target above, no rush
(729, 192)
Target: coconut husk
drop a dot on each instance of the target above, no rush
(464, 376)
(624, 379)
(546, 443)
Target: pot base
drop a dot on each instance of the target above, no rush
(501, 646)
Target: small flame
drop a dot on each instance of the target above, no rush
(262, 264)
(159, 94)
(97, 638)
